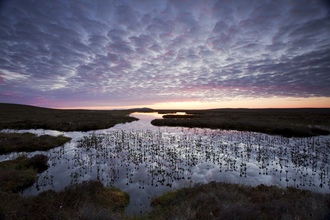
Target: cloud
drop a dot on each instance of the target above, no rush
(129, 52)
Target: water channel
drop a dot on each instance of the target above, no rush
(146, 161)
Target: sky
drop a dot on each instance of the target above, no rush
(198, 54)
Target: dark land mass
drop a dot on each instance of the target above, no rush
(14, 116)
(300, 122)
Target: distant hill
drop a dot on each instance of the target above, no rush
(145, 109)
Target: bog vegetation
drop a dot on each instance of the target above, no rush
(165, 159)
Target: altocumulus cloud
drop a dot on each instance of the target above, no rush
(77, 53)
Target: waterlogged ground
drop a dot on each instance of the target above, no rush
(147, 161)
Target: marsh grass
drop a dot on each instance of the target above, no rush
(289, 123)
(87, 200)
(233, 201)
(18, 174)
(28, 142)
(13, 116)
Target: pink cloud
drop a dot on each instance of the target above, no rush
(12, 95)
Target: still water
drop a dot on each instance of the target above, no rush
(146, 161)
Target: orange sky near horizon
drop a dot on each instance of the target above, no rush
(316, 102)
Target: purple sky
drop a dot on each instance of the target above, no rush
(139, 53)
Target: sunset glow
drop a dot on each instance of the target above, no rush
(322, 102)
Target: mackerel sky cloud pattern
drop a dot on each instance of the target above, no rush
(78, 53)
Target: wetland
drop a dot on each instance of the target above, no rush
(159, 167)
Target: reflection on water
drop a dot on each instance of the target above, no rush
(146, 161)
(142, 124)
